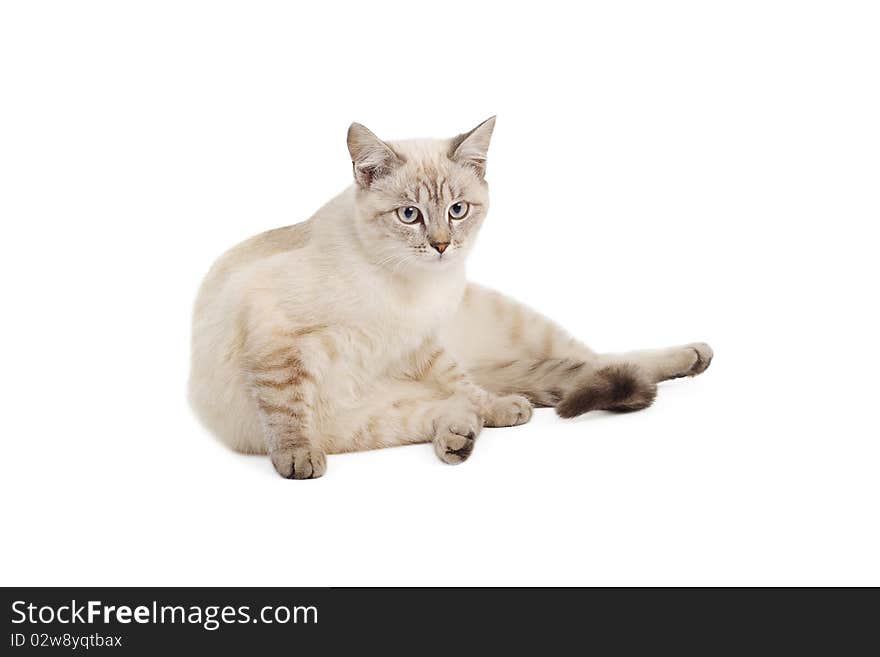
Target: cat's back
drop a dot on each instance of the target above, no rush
(249, 253)
(269, 243)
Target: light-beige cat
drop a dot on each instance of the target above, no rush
(357, 329)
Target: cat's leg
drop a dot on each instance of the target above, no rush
(668, 363)
(431, 399)
(628, 381)
(403, 412)
(435, 364)
(508, 348)
(283, 385)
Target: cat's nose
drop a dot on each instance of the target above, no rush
(440, 247)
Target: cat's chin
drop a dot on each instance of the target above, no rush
(432, 266)
(439, 262)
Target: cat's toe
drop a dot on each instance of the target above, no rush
(299, 462)
(508, 411)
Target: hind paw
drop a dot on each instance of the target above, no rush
(704, 358)
(693, 358)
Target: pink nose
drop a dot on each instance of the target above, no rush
(440, 247)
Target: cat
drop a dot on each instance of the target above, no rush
(357, 328)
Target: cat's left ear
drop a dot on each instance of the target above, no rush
(471, 147)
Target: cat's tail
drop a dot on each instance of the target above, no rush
(572, 386)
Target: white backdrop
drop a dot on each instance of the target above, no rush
(678, 171)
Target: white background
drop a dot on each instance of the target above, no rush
(661, 173)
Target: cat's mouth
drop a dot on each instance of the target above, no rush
(435, 260)
(442, 258)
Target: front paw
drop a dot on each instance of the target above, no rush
(299, 462)
(455, 438)
(508, 411)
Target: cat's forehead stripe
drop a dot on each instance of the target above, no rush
(432, 189)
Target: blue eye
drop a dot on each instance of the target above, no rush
(458, 210)
(409, 214)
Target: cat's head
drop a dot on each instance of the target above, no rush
(419, 203)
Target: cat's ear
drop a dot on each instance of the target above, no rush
(371, 158)
(471, 147)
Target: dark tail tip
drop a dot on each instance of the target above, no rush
(621, 388)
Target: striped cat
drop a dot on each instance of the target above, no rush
(357, 328)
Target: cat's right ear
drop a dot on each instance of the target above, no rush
(371, 158)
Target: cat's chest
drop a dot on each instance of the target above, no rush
(406, 317)
(421, 309)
